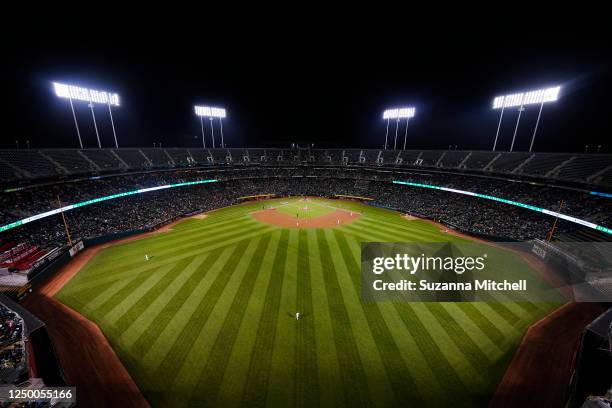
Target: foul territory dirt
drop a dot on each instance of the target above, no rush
(333, 219)
(541, 369)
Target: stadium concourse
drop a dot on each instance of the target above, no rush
(146, 188)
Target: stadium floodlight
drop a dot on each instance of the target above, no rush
(398, 114)
(85, 94)
(520, 100)
(92, 96)
(211, 112)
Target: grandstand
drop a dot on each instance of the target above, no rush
(594, 169)
(123, 192)
(150, 258)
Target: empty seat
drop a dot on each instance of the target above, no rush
(409, 157)
(132, 157)
(200, 156)
(584, 166)
(219, 155)
(70, 160)
(509, 161)
(390, 156)
(180, 157)
(452, 159)
(479, 160)
(6, 172)
(542, 163)
(237, 155)
(318, 156)
(352, 155)
(255, 155)
(31, 162)
(430, 158)
(275, 155)
(605, 178)
(157, 157)
(336, 155)
(370, 156)
(102, 158)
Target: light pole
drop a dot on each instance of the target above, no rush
(406, 132)
(211, 113)
(396, 126)
(386, 134)
(536, 127)
(75, 123)
(498, 127)
(522, 100)
(398, 114)
(221, 127)
(91, 96)
(202, 126)
(110, 113)
(212, 131)
(95, 125)
(520, 110)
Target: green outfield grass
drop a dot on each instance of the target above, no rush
(209, 320)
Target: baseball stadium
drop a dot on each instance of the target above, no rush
(212, 274)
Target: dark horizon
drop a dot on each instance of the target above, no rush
(329, 96)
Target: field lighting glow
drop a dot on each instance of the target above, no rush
(210, 111)
(527, 98)
(510, 202)
(98, 200)
(85, 94)
(399, 113)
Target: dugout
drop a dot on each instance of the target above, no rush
(593, 371)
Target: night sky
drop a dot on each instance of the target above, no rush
(330, 93)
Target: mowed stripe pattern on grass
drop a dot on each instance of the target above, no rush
(209, 320)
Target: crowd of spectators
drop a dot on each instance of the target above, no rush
(11, 326)
(11, 357)
(12, 350)
(142, 211)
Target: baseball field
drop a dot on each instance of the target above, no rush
(209, 318)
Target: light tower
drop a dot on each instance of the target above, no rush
(521, 100)
(398, 114)
(91, 96)
(211, 113)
